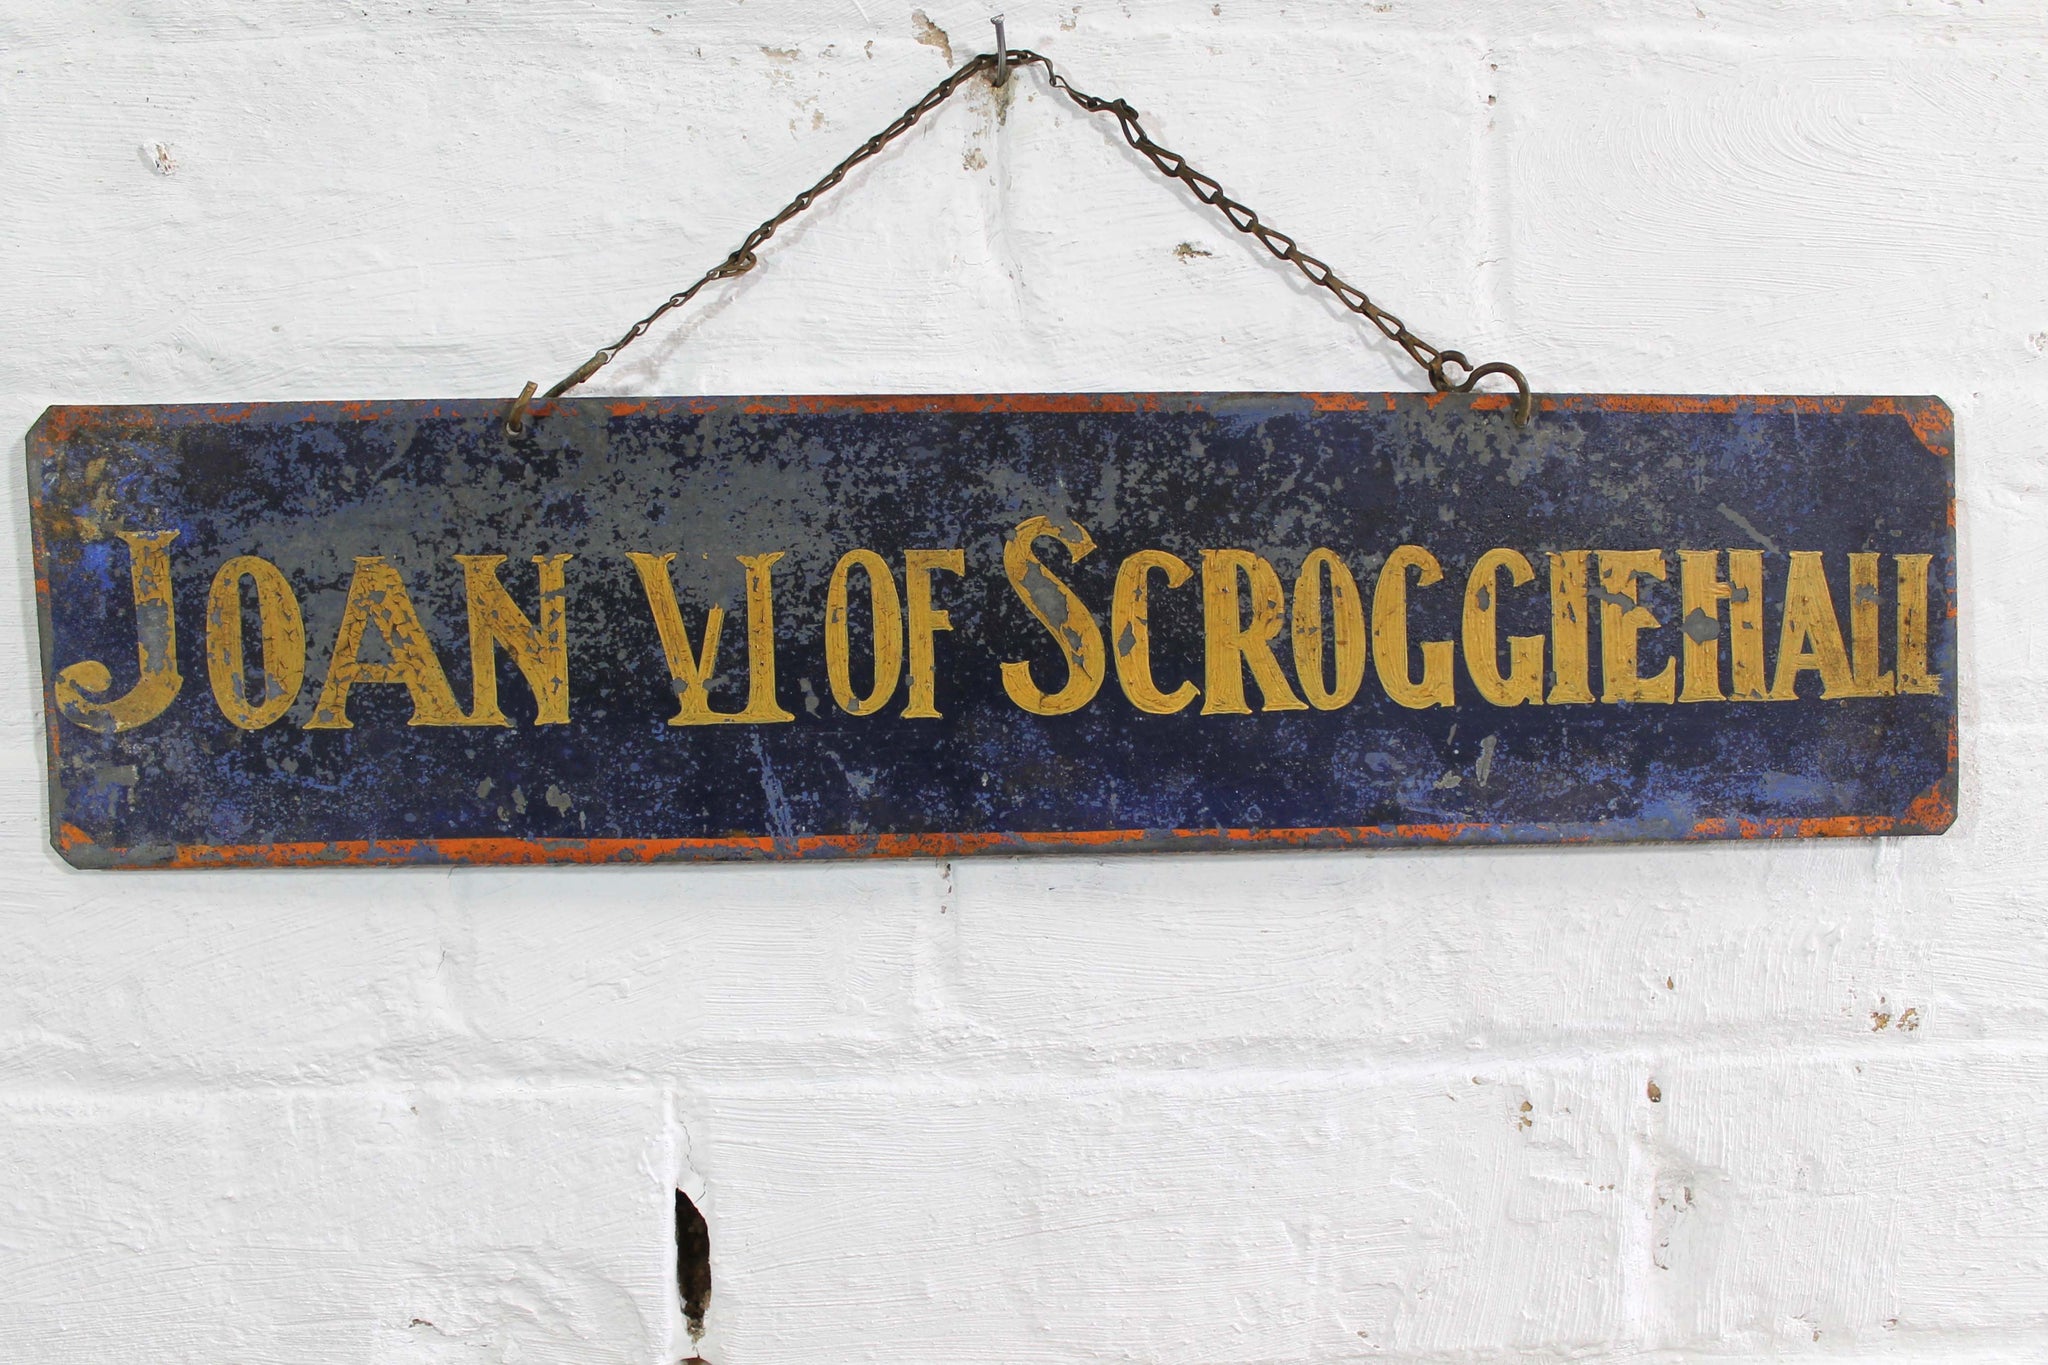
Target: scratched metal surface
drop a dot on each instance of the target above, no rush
(310, 486)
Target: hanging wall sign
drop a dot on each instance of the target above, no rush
(845, 627)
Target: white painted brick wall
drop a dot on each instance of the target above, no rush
(1254, 1109)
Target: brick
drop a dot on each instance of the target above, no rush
(416, 1224)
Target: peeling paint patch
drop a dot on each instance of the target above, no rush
(1743, 524)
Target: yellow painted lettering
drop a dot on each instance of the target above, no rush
(279, 627)
(1914, 677)
(1524, 679)
(1746, 680)
(924, 621)
(692, 671)
(1390, 651)
(377, 598)
(1233, 644)
(887, 610)
(540, 653)
(156, 649)
(1866, 679)
(1570, 661)
(1701, 593)
(1622, 620)
(1810, 639)
(1060, 611)
(1346, 634)
(1130, 629)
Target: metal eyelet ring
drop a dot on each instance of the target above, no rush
(1440, 380)
(1525, 402)
(515, 415)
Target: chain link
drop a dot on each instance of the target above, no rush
(1437, 364)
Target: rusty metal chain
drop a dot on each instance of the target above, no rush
(1437, 364)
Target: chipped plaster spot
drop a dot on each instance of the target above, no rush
(930, 34)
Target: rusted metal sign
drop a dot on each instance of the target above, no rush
(829, 627)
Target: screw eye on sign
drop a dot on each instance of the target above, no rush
(844, 627)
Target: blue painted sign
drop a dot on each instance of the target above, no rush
(830, 627)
